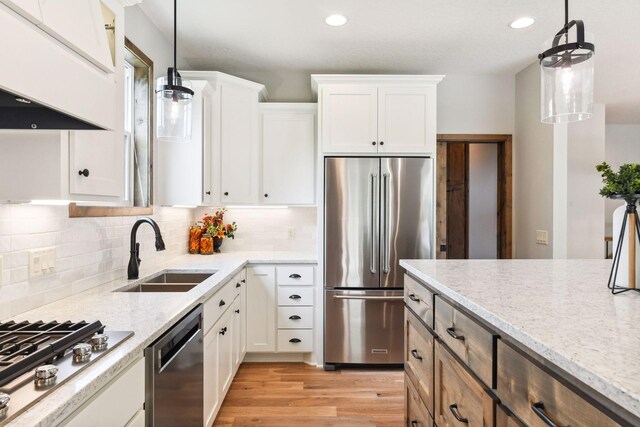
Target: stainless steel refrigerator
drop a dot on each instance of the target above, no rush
(377, 210)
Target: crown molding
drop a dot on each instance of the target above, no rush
(373, 79)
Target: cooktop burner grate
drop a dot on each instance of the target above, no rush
(25, 345)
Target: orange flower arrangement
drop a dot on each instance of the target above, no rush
(215, 226)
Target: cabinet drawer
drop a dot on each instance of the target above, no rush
(295, 341)
(419, 299)
(472, 343)
(218, 304)
(294, 275)
(418, 357)
(459, 398)
(239, 281)
(415, 412)
(295, 317)
(505, 419)
(292, 295)
(532, 394)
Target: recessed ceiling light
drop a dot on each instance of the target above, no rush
(336, 20)
(524, 22)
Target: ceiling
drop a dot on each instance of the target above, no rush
(404, 36)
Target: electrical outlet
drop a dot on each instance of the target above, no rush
(291, 233)
(42, 262)
(542, 237)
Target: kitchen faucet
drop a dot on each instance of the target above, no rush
(134, 259)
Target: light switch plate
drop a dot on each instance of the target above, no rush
(291, 233)
(42, 262)
(542, 237)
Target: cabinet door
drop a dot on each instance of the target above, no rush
(407, 119)
(348, 119)
(181, 166)
(96, 163)
(235, 322)
(79, 24)
(243, 315)
(288, 158)
(211, 396)
(238, 145)
(225, 332)
(261, 309)
(29, 9)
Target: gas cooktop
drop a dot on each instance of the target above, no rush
(37, 357)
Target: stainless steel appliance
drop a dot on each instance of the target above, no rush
(174, 375)
(37, 357)
(377, 211)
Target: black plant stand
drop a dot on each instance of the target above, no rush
(631, 214)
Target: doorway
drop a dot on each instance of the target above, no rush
(473, 197)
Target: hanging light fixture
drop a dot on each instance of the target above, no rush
(567, 74)
(173, 97)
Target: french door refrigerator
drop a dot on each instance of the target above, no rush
(377, 210)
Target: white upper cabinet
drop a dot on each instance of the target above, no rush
(288, 153)
(377, 113)
(96, 163)
(349, 119)
(181, 165)
(406, 119)
(238, 142)
(80, 24)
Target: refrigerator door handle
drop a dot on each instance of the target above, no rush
(385, 223)
(372, 224)
(370, 297)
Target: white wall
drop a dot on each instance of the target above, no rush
(533, 168)
(476, 104)
(267, 229)
(622, 145)
(585, 207)
(483, 201)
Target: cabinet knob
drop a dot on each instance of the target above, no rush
(84, 172)
(266, 195)
(238, 311)
(208, 193)
(221, 303)
(373, 143)
(223, 331)
(381, 142)
(226, 193)
(238, 285)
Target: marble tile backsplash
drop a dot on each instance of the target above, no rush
(264, 229)
(88, 251)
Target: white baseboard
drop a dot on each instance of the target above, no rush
(277, 357)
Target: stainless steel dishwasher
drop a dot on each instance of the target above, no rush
(174, 375)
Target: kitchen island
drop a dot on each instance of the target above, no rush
(147, 315)
(556, 314)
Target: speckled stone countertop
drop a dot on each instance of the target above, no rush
(148, 315)
(559, 309)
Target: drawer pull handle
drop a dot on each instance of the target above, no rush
(221, 303)
(538, 409)
(454, 410)
(294, 276)
(295, 317)
(415, 354)
(452, 331)
(414, 423)
(413, 297)
(295, 340)
(294, 296)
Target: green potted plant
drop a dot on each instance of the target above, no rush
(625, 184)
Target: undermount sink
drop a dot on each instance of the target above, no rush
(168, 281)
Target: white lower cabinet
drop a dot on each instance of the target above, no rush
(224, 343)
(261, 309)
(119, 403)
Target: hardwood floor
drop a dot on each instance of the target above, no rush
(296, 394)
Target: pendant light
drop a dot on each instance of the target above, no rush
(173, 97)
(567, 74)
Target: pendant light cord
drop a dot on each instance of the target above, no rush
(566, 12)
(175, 35)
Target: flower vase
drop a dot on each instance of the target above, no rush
(622, 276)
(217, 242)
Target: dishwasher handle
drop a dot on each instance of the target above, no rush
(173, 342)
(174, 349)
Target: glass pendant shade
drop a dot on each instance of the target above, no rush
(174, 110)
(566, 67)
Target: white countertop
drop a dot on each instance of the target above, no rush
(148, 315)
(559, 309)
